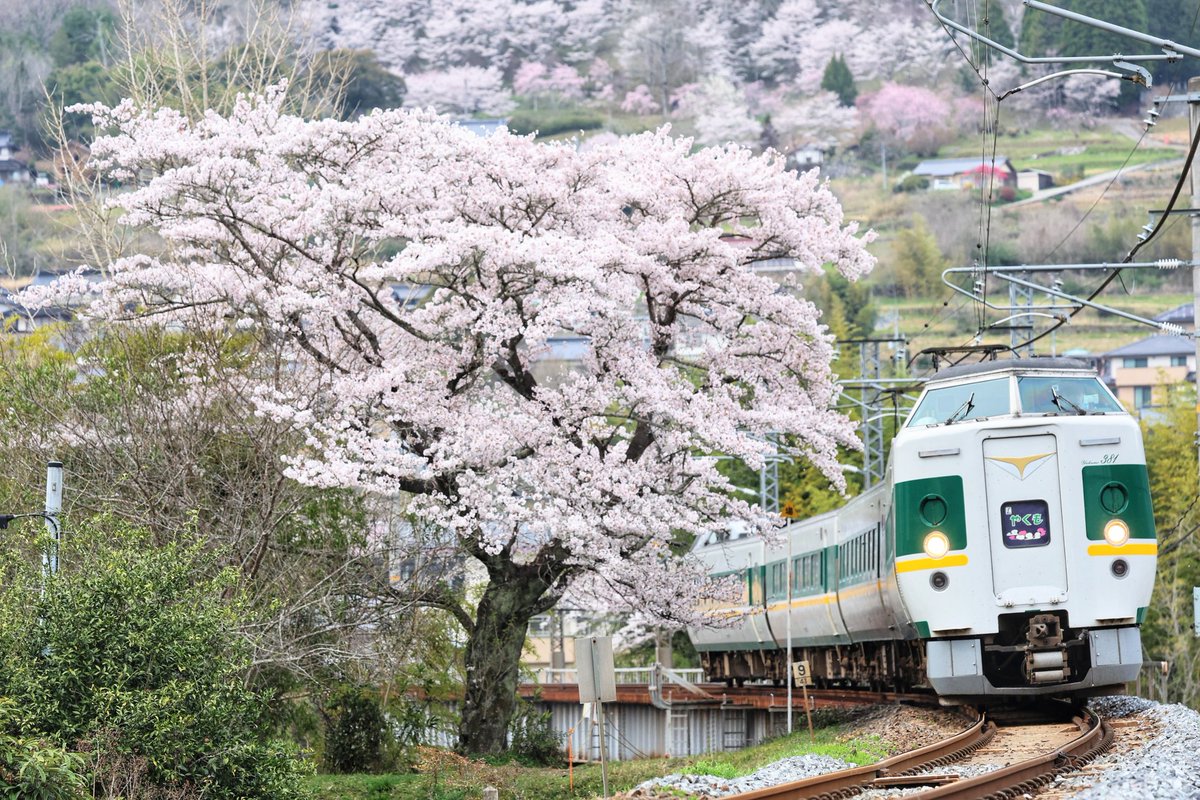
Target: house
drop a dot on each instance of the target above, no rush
(16, 317)
(967, 173)
(1184, 316)
(1034, 180)
(12, 170)
(1142, 373)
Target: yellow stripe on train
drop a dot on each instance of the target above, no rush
(1127, 549)
(914, 564)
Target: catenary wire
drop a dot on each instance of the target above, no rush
(1183, 176)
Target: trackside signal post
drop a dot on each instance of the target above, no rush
(597, 684)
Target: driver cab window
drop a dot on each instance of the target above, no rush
(1059, 395)
(965, 402)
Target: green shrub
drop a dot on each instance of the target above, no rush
(355, 734)
(548, 123)
(33, 769)
(912, 183)
(532, 739)
(132, 652)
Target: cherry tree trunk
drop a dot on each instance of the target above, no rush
(493, 659)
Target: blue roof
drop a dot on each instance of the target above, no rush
(1160, 345)
(483, 127)
(1178, 314)
(945, 167)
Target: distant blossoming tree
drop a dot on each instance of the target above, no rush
(818, 121)
(910, 117)
(459, 90)
(553, 84)
(639, 101)
(638, 247)
(723, 115)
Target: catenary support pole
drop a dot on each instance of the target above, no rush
(54, 489)
(1193, 88)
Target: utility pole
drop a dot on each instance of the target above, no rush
(1193, 95)
(54, 493)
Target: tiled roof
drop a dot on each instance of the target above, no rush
(944, 167)
(1178, 314)
(1161, 345)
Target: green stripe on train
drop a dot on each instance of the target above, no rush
(1112, 491)
(918, 511)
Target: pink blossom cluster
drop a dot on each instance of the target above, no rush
(638, 246)
(639, 100)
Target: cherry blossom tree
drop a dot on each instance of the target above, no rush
(724, 115)
(554, 84)
(909, 117)
(639, 100)
(459, 90)
(817, 121)
(638, 246)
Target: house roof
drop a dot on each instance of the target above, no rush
(1160, 345)
(945, 167)
(483, 127)
(12, 165)
(1178, 314)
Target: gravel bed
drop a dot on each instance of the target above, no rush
(900, 727)
(1156, 756)
(789, 769)
(1164, 765)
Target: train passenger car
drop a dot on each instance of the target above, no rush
(1010, 550)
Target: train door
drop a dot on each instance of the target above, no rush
(1024, 520)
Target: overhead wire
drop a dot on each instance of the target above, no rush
(1096, 202)
(1158, 226)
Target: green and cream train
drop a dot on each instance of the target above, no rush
(1010, 550)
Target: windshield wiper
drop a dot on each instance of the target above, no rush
(1058, 400)
(963, 410)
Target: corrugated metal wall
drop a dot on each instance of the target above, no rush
(638, 731)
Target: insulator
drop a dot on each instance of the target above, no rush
(1171, 329)
(1169, 263)
(1048, 676)
(1148, 227)
(1143, 237)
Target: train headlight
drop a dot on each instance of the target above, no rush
(936, 544)
(1116, 532)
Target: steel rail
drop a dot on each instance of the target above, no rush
(849, 782)
(1027, 777)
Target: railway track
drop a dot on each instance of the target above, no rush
(1008, 756)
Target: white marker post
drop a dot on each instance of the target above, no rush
(597, 684)
(802, 676)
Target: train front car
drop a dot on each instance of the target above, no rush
(1024, 534)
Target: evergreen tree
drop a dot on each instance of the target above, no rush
(917, 261)
(996, 27)
(1175, 20)
(837, 79)
(84, 35)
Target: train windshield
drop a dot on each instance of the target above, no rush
(1048, 395)
(964, 402)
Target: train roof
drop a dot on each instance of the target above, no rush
(1014, 365)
